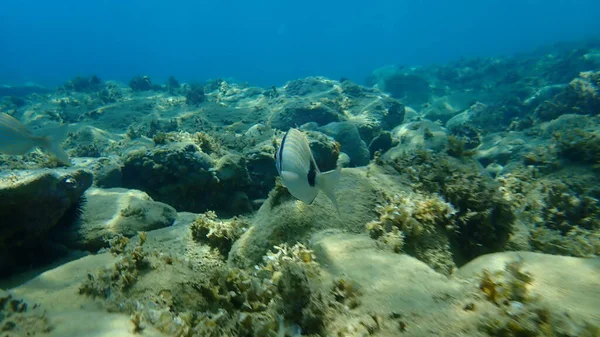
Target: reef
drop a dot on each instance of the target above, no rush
(180, 226)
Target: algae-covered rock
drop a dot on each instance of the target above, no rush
(32, 203)
(300, 111)
(110, 212)
(445, 108)
(106, 170)
(483, 219)
(417, 224)
(581, 96)
(422, 134)
(283, 219)
(307, 86)
(178, 174)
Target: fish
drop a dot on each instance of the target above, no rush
(17, 139)
(299, 172)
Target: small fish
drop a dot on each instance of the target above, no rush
(16, 139)
(299, 172)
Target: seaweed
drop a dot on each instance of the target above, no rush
(123, 274)
(416, 224)
(483, 219)
(218, 234)
(521, 314)
(579, 146)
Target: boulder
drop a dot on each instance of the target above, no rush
(347, 135)
(114, 211)
(300, 111)
(32, 203)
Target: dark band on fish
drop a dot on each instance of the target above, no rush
(278, 155)
(312, 174)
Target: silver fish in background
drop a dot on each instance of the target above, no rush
(17, 139)
(299, 172)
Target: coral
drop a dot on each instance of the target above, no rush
(219, 234)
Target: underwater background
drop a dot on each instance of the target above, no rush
(270, 42)
(279, 169)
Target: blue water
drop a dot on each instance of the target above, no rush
(267, 42)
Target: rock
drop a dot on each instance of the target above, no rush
(32, 203)
(503, 148)
(347, 135)
(419, 135)
(115, 211)
(381, 143)
(393, 113)
(459, 120)
(324, 148)
(179, 174)
(106, 170)
(282, 218)
(306, 86)
(562, 281)
(445, 108)
(581, 96)
(232, 167)
(411, 115)
(300, 111)
(343, 160)
(413, 89)
(261, 169)
(544, 94)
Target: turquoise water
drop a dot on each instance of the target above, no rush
(269, 42)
